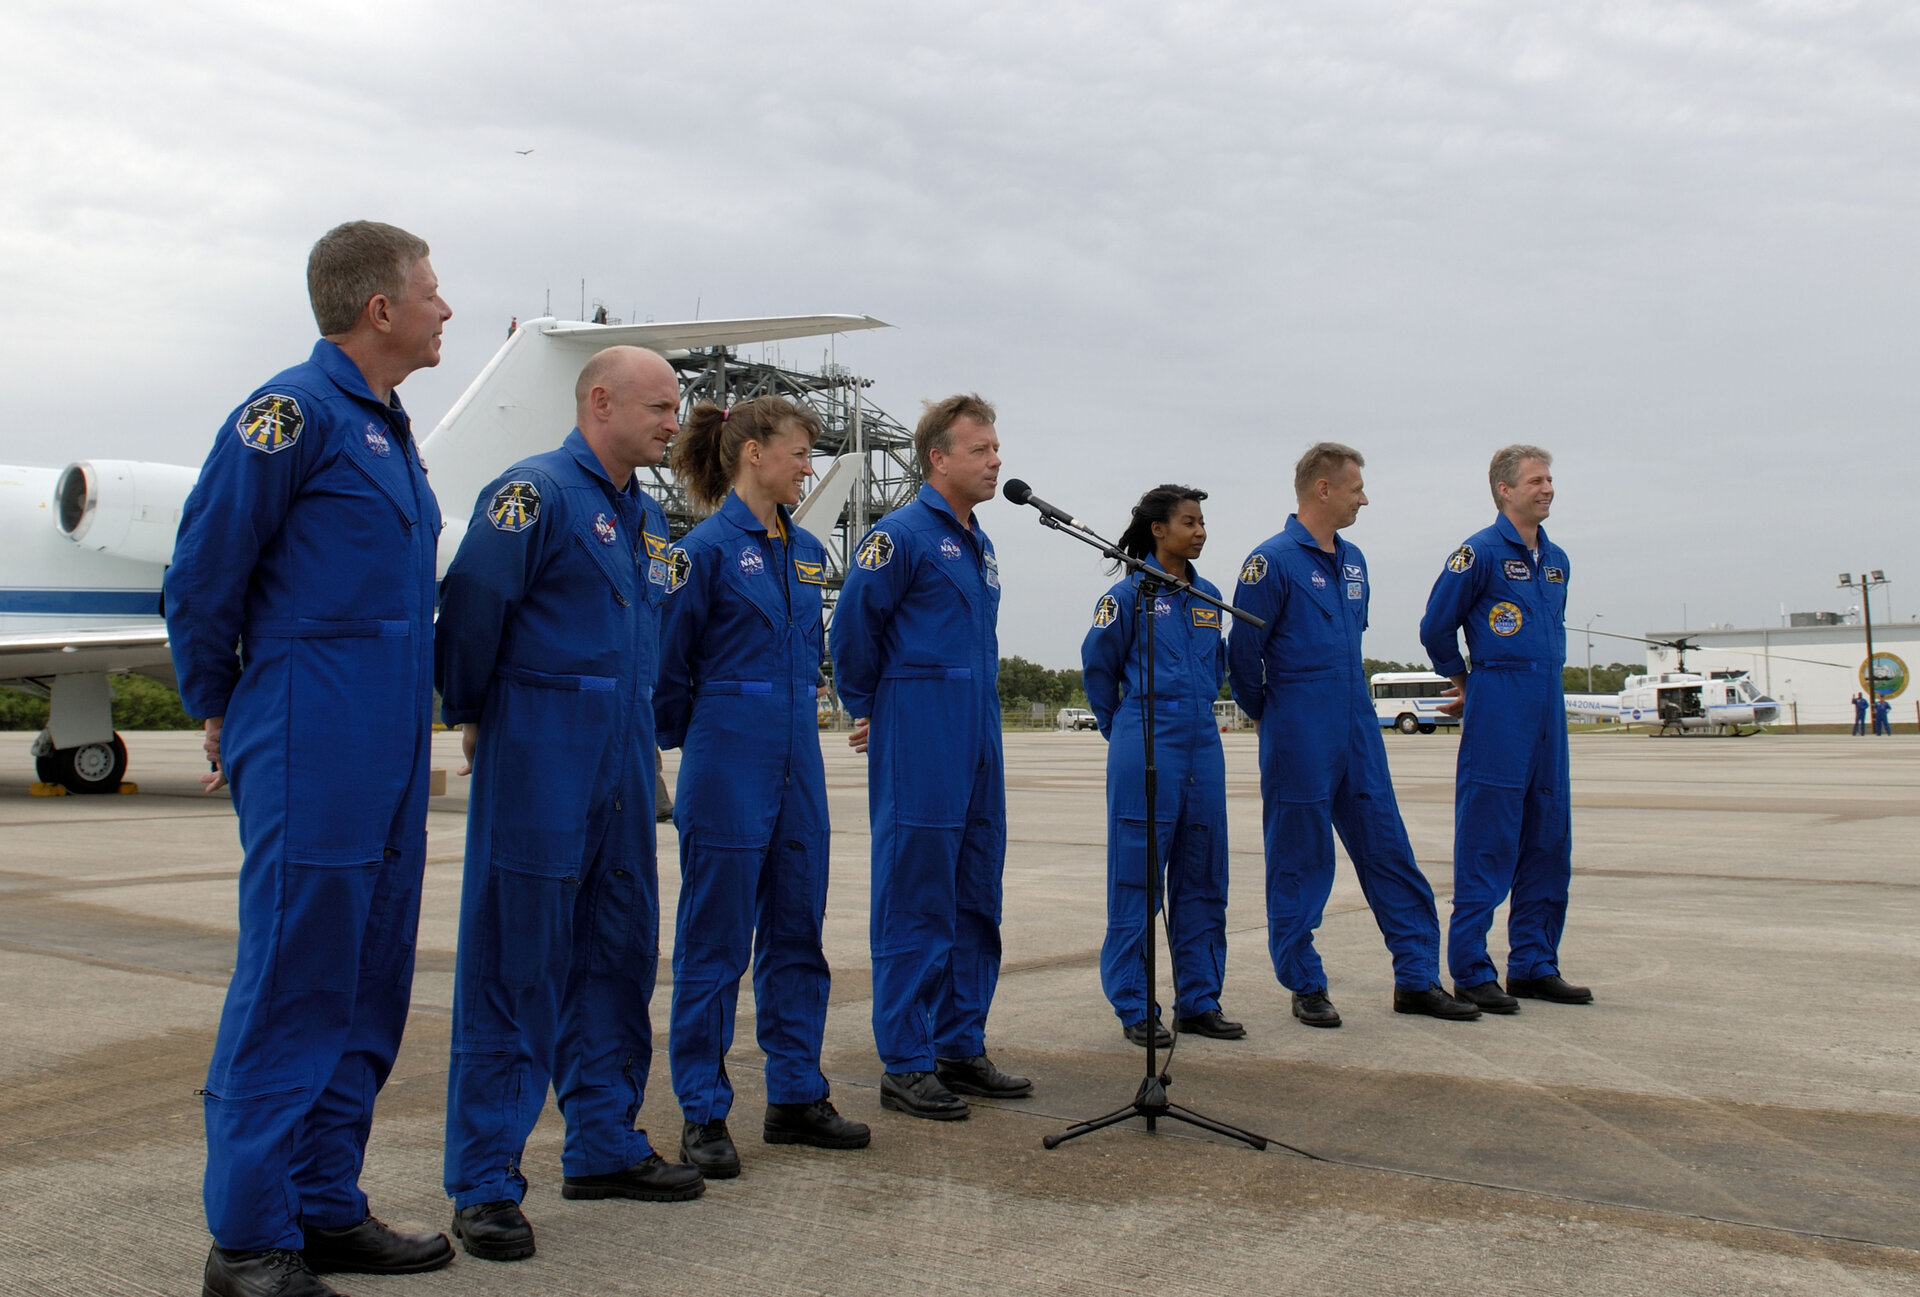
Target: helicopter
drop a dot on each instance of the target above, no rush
(1682, 702)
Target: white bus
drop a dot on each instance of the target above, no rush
(1409, 701)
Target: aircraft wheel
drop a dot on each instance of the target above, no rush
(1407, 725)
(92, 768)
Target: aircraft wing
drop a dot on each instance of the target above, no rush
(682, 334)
(136, 646)
(522, 402)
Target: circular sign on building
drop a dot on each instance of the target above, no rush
(1890, 676)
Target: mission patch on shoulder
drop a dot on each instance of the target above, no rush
(1461, 560)
(1105, 611)
(876, 551)
(1255, 571)
(270, 423)
(515, 506)
(678, 566)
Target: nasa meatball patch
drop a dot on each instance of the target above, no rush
(514, 507)
(604, 529)
(270, 423)
(876, 551)
(376, 439)
(1504, 619)
(1255, 571)
(1461, 559)
(1105, 611)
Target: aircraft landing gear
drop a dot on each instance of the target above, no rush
(89, 768)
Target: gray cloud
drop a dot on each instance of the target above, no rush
(1672, 242)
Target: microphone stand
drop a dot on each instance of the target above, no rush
(1150, 1101)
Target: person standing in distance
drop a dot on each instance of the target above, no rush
(740, 655)
(309, 541)
(1860, 714)
(916, 658)
(546, 654)
(1168, 530)
(1323, 765)
(1506, 588)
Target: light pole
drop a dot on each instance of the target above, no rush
(1590, 621)
(1868, 580)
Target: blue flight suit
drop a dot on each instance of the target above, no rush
(309, 542)
(916, 649)
(1860, 716)
(1323, 765)
(549, 635)
(1190, 812)
(1513, 818)
(740, 654)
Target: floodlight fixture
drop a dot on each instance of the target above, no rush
(1846, 580)
(1879, 577)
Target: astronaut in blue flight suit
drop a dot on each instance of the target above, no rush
(740, 655)
(1506, 587)
(916, 661)
(545, 656)
(1323, 765)
(1190, 810)
(309, 542)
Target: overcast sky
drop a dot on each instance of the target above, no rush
(1675, 244)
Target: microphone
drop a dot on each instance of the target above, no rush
(1020, 493)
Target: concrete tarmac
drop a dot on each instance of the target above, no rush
(1738, 1113)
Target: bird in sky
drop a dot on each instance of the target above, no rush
(523, 152)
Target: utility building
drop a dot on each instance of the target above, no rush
(1811, 670)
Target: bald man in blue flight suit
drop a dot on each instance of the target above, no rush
(546, 655)
(1323, 765)
(916, 660)
(1506, 587)
(309, 542)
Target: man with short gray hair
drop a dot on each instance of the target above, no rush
(309, 543)
(1323, 764)
(1506, 587)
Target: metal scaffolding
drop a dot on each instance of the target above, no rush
(849, 424)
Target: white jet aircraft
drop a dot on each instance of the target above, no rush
(86, 545)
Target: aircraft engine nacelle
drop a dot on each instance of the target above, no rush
(123, 507)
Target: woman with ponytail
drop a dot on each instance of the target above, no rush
(1168, 531)
(740, 654)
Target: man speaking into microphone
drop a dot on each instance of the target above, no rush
(916, 658)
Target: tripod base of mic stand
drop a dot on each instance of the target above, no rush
(1151, 1103)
